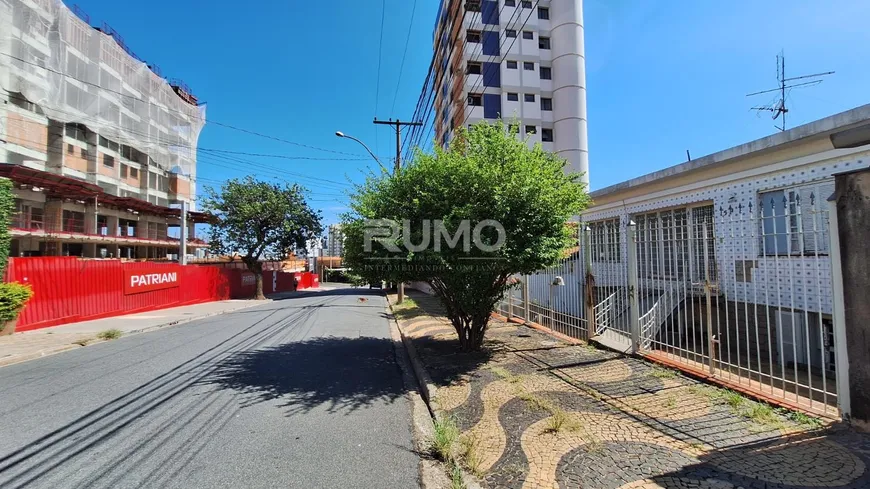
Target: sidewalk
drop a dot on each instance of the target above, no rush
(29, 345)
(536, 412)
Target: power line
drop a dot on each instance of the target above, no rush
(404, 54)
(380, 57)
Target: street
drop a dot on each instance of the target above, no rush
(300, 392)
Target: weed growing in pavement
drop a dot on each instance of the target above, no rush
(83, 342)
(557, 421)
(800, 418)
(670, 402)
(661, 372)
(505, 374)
(536, 402)
(446, 434)
(468, 452)
(456, 481)
(109, 334)
(594, 447)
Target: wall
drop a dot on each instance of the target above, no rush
(68, 289)
(853, 214)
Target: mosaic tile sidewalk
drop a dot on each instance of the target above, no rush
(540, 413)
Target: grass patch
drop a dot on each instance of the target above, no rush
(557, 422)
(505, 374)
(83, 342)
(800, 418)
(109, 334)
(661, 372)
(595, 446)
(670, 402)
(537, 402)
(446, 434)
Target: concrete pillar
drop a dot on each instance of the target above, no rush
(89, 250)
(112, 224)
(53, 215)
(569, 82)
(849, 222)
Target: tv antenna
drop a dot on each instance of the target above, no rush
(778, 107)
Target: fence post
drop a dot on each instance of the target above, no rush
(839, 316)
(587, 294)
(634, 303)
(526, 315)
(510, 308)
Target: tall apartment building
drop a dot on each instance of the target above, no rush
(334, 240)
(99, 146)
(514, 59)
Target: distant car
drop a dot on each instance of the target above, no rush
(376, 285)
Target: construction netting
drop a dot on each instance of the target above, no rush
(77, 73)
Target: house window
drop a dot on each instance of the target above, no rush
(473, 68)
(528, 35)
(473, 36)
(531, 129)
(513, 97)
(527, 4)
(475, 100)
(528, 66)
(510, 33)
(512, 65)
(547, 135)
(543, 13)
(472, 6)
(546, 73)
(109, 161)
(605, 243)
(794, 221)
(529, 97)
(510, 3)
(546, 103)
(544, 43)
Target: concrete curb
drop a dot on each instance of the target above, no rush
(4, 362)
(430, 479)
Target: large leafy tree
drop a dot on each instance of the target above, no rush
(487, 174)
(259, 220)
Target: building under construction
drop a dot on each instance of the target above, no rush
(100, 147)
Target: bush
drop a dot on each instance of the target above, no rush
(13, 296)
(7, 208)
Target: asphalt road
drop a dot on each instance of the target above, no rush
(302, 392)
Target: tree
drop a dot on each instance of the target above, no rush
(7, 208)
(259, 220)
(486, 176)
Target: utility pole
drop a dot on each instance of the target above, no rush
(778, 108)
(400, 287)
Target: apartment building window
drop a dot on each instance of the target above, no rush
(83, 152)
(547, 135)
(475, 100)
(76, 131)
(546, 73)
(511, 65)
(109, 161)
(473, 68)
(544, 43)
(472, 6)
(546, 103)
(527, 4)
(513, 97)
(543, 13)
(529, 97)
(528, 35)
(531, 129)
(134, 173)
(510, 33)
(70, 149)
(123, 170)
(473, 36)
(19, 100)
(528, 66)
(510, 3)
(106, 143)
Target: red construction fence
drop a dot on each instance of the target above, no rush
(69, 289)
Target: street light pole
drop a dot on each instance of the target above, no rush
(343, 135)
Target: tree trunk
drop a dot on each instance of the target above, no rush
(471, 331)
(258, 274)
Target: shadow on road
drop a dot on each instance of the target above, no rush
(342, 374)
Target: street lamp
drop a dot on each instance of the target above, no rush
(343, 135)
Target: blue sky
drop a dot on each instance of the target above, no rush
(663, 76)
